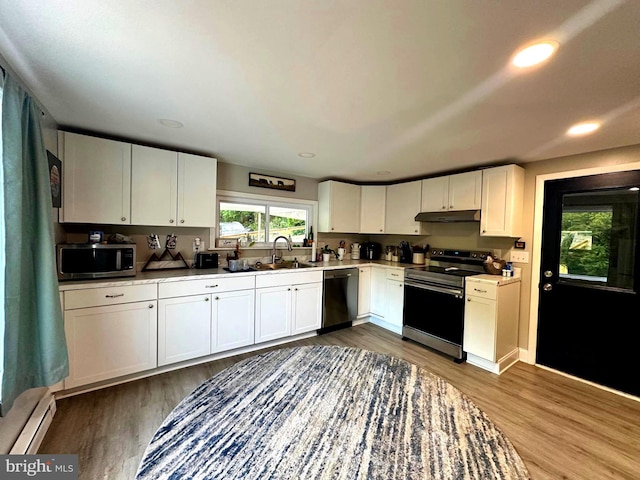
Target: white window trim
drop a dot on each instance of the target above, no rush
(252, 197)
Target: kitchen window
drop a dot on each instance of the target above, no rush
(257, 222)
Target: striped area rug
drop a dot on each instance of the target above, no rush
(325, 412)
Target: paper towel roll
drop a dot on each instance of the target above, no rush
(313, 252)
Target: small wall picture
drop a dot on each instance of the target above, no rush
(267, 181)
(55, 179)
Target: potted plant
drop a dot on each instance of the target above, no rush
(326, 253)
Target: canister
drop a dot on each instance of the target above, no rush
(418, 258)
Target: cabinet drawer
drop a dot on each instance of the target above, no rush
(394, 274)
(280, 279)
(482, 290)
(198, 287)
(95, 297)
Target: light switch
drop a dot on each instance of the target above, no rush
(519, 256)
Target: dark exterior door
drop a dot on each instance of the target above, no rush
(589, 308)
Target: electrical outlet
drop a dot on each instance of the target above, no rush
(198, 245)
(519, 256)
(497, 253)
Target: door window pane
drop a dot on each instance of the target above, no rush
(597, 243)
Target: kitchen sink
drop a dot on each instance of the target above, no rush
(281, 265)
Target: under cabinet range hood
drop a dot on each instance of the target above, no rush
(449, 217)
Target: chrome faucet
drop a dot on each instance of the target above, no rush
(274, 256)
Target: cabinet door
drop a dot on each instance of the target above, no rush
(338, 207)
(403, 204)
(502, 198)
(435, 194)
(395, 303)
(196, 190)
(154, 186)
(233, 320)
(108, 342)
(273, 313)
(378, 292)
(372, 208)
(465, 191)
(184, 328)
(364, 291)
(306, 302)
(480, 327)
(97, 180)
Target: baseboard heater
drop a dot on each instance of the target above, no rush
(36, 427)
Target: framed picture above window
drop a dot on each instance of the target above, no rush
(267, 181)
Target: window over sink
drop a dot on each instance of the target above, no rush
(256, 222)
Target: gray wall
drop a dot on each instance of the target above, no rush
(236, 179)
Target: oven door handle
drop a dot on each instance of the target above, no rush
(433, 288)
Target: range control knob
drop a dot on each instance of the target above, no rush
(474, 255)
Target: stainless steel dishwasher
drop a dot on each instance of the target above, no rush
(339, 298)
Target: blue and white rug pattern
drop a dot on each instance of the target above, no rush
(325, 412)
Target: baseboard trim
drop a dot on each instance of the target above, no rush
(177, 366)
(386, 325)
(593, 384)
(29, 440)
(498, 367)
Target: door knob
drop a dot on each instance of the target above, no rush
(547, 287)
(548, 273)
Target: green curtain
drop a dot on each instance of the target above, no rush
(35, 351)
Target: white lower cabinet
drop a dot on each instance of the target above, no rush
(364, 291)
(184, 328)
(192, 326)
(387, 297)
(110, 341)
(273, 313)
(378, 291)
(395, 304)
(287, 304)
(306, 304)
(491, 318)
(233, 320)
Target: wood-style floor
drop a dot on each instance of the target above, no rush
(561, 428)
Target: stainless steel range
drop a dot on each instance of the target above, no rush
(434, 299)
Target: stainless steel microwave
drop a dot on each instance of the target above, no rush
(95, 260)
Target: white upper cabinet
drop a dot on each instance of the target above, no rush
(96, 179)
(372, 208)
(403, 204)
(502, 200)
(462, 191)
(154, 186)
(197, 179)
(435, 194)
(338, 207)
(171, 188)
(465, 191)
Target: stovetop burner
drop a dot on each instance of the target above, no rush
(449, 267)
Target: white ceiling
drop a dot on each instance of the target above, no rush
(414, 87)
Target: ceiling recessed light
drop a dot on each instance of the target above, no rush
(383, 172)
(583, 128)
(306, 154)
(535, 54)
(170, 123)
